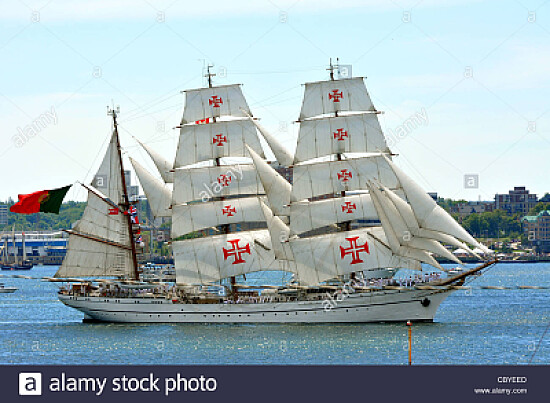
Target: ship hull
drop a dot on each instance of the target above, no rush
(378, 306)
(17, 266)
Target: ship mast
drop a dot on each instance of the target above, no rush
(224, 227)
(125, 199)
(345, 226)
(15, 251)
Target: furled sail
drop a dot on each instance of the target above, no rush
(359, 133)
(210, 259)
(201, 142)
(188, 218)
(334, 96)
(207, 103)
(328, 177)
(159, 194)
(163, 165)
(206, 183)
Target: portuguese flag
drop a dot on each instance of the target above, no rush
(44, 201)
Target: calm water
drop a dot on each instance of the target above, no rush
(477, 327)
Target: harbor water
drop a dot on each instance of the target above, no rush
(477, 326)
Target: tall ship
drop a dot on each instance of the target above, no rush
(19, 262)
(350, 220)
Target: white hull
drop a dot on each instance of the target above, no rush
(376, 306)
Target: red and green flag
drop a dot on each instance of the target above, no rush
(43, 201)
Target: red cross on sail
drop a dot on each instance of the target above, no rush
(224, 180)
(236, 251)
(219, 139)
(215, 101)
(229, 210)
(344, 175)
(354, 250)
(348, 207)
(335, 95)
(340, 134)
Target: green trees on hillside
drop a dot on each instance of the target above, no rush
(69, 213)
(493, 224)
(538, 208)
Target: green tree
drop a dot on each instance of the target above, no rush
(541, 206)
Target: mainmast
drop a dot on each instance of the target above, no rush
(125, 199)
(229, 191)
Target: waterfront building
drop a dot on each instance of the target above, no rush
(41, 247)
(3, 214)
(537, 230)
(472, 207)
(518, 200)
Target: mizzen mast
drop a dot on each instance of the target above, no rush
(125, 199)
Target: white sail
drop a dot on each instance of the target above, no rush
(159, 194)
(320, 178)
(282, 155)
(94, 259)
(206, 183)
(99, 244)
(280, 235)
(207, 103)
(188, 218)
(210, 259)
(216, 140)
(328, 97)
(163, 165)
(277, 189)
(400, 238)
(430, 215)
(107, 179)
(360, 133)
(306, 216)
(324, 257)
(102, 220)
(417, 236)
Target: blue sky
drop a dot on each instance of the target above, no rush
(478, 69)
